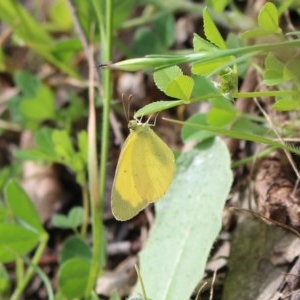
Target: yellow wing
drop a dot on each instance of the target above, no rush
(126, 202)
(144, 173)
(153, 166)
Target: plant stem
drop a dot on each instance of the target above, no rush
(28, 275)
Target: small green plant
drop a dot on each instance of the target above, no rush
(189, 216)
(215, 58)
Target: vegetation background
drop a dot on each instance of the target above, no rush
(207, 69)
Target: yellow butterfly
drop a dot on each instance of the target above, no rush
(144, 172)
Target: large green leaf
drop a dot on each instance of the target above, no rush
(163, 77)
(187, 224)
(22, 207)
(15, 241)
(73, 277)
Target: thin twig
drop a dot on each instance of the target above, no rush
(267, 220)
(288, 154)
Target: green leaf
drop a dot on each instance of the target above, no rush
(62, 144)
(15, 241)
(165, 29)
(155, 40)
(200, 44)
(268, 18)
(35, 155)
(189, 217)
(206, 68)
(275, 72)
(22, 207)
(267, 22)
(157, 106)
(219, 5)
(43, 139)
(71, 221)
(60, 14)
(5, 175)
(220, 117)
(211, 31)
(221, 113)
(181, 87)
(189, 133)
(204, 86)
(4, 213)
(5, 281)
(76, 216)
(246, 125)
(287, 104)
(61, 221)
(73, 277)
(39, 107)
(162, 78)
(145, 42)
(27, 83)
(292, 69)
(74, 247)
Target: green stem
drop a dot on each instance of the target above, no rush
(31, 269)
(86, 206)
(107, 78)
(240, 135)
(141, 282)
(266, 94)
(97, 200)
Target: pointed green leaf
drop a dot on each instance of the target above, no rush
(211, 31)
(162, 78)
(22, 206)
(62, 144)
(156, 107)
(74, 247)
(76, 216)
(208, 67)
(181, 87)
(43, 139)
(15, 241)
(268, 18)
(287, 104)
(73, 277)
(276, 72)
(200, 44)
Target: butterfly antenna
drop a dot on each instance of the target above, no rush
(128, 106)
(125, 108)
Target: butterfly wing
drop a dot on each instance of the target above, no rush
(144, 173)
(153, 166)
(126, 201)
